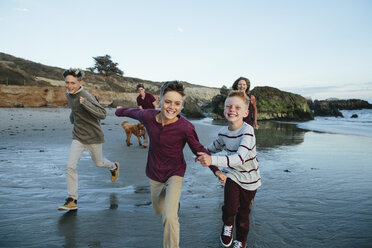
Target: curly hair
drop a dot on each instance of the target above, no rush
(172, 86)
(79, 74)
(235, 84)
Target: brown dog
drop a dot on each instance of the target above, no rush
(138, 130)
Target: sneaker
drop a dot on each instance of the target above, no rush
(115, 172)
(227, 235)
(238, 244)
(70, 204)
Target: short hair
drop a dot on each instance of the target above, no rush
(172, 86)
(140, 85)
(79, 74)
(235, 84)
(241, 95)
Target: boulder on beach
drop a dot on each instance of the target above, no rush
(272, 104)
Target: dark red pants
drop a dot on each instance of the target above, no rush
(238, 202)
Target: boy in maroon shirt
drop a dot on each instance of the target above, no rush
(145, 101)
(166, 166)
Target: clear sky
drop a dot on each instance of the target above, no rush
(317, 48)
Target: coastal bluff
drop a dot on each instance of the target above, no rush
(24, 83)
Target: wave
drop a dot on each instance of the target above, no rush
(360, 126)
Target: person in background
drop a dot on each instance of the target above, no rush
(243, 84)
(145, 100)
(169, 132)
(86, 114)
(243, 175)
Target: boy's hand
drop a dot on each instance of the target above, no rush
(82, 99)
(204, 159)
(221, 177)
(117, 107)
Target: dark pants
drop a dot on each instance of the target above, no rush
(238, 202)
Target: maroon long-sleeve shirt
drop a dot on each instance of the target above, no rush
(165, 157)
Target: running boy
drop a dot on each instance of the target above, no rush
(86, 114)
(168, 132)
(243, 177)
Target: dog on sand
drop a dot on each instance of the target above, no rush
(136, 129)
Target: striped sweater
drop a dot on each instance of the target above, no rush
(240, 159)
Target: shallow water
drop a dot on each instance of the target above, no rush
(361, 126)
(315, 189)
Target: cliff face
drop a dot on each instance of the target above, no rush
(54, 96)
(31, 96)
(46, 96)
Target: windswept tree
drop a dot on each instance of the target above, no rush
(105, 66)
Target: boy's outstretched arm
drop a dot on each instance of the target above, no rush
(134, 113)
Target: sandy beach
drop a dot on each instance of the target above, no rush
(315, 188)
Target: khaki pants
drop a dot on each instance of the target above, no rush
(76, 150)
(165, 201)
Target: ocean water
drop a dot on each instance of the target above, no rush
(361, 126)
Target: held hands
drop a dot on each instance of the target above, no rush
(221, 176)
(204, 159)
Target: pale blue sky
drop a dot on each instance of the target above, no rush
(316, 48)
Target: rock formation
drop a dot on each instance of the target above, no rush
(272, 104)
(332, 107)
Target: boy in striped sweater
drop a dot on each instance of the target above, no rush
(243, 175)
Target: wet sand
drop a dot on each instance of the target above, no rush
(308, 198)
(33, 152)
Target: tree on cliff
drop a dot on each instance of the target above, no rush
(105, 66)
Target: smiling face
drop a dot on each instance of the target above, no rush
(72, 84)
(242, 85)
(235, 109)
(170, 106)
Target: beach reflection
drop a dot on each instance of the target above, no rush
(67, 228)
(273, 134)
